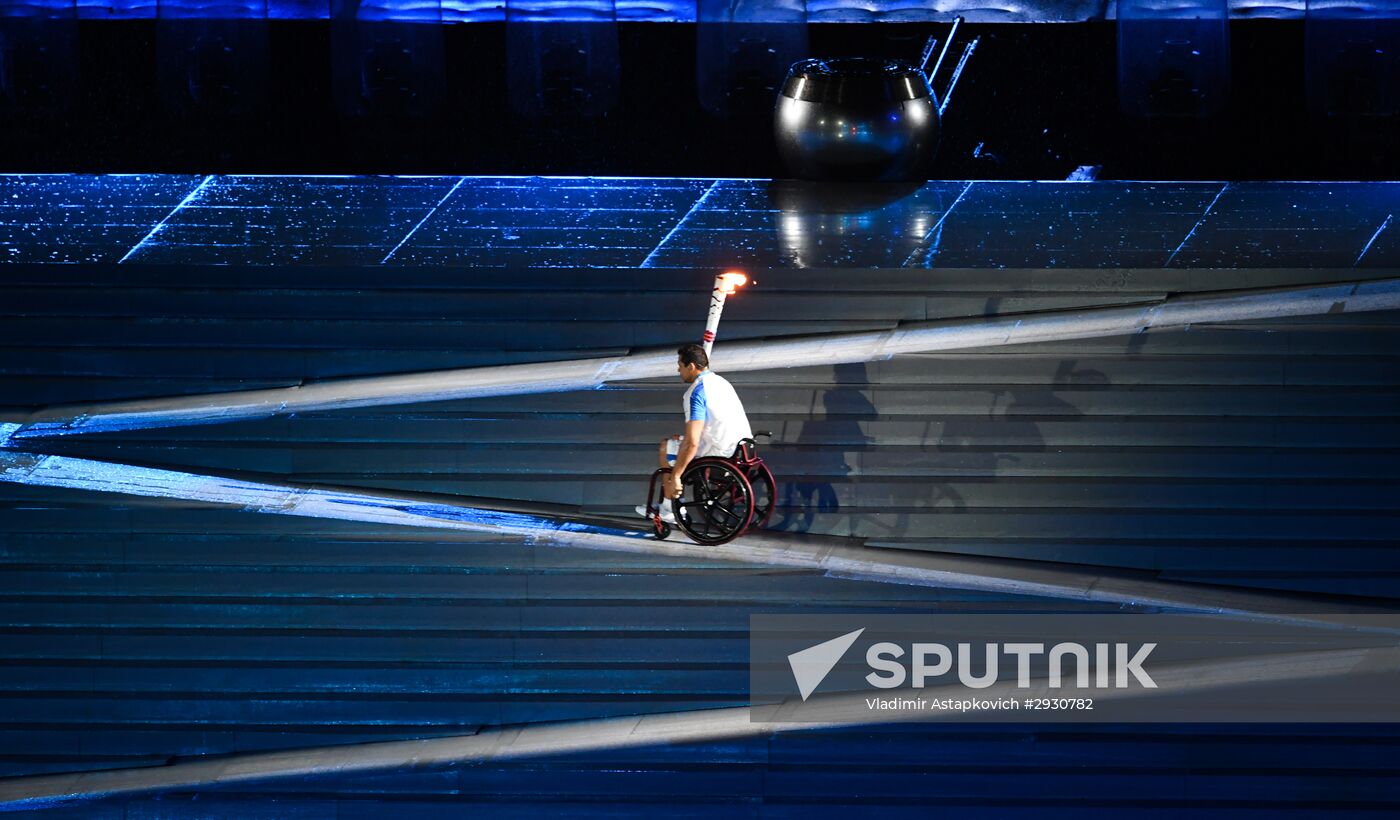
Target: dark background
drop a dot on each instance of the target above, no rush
(1039, 100)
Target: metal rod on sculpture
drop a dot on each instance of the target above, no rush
(957, 72)
(928, 52)
(953, 32)
(725, 284)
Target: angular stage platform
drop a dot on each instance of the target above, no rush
(534, 222)
(1257, 455)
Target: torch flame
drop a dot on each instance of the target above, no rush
(731, 281)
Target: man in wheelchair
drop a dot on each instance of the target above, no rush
(715, 423)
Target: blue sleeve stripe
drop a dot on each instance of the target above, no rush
(699, 410)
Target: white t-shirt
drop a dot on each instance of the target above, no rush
(712, 399)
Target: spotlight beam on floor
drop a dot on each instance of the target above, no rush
(1175, 311)
(831, 556)
(527, 741)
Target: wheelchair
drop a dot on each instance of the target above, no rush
(721, 498)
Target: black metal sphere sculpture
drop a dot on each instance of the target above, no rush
(857, 119)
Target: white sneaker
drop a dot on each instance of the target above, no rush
(666, 514)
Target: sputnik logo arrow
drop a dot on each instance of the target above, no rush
(811, 665)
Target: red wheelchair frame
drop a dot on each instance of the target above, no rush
(721, 498)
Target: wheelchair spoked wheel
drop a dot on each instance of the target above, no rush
(765, 493)
(716, 502)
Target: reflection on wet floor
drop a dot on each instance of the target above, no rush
(682, 223)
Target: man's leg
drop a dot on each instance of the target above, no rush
(664, 463)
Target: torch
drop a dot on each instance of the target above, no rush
(725, 284)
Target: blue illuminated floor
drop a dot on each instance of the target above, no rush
(676, 223)
(137, 631)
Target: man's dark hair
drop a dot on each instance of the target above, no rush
(694, 354)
